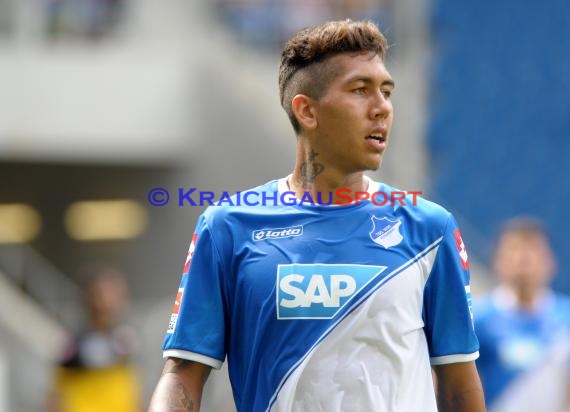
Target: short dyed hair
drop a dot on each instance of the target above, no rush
(303, 60)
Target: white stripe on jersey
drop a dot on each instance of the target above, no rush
(347, 332)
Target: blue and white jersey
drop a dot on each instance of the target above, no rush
(517, 343)
(326, 308)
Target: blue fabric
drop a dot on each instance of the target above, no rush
(266, 283)
(514, 341)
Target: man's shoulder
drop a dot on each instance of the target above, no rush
(485, 305)
(562, 304)
(242, 201)
(562, 298)
(418, 207)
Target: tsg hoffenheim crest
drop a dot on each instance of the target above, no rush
(386, 232)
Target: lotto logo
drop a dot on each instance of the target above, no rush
(264, 234)
(319, 291)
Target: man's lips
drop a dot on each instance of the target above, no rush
(376, 136)
(377, 139)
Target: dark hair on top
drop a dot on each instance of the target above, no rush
(90, 273)
(524, 224)
(303, 69)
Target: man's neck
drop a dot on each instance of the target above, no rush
(522, 298)
(528, 299)
(311, 176)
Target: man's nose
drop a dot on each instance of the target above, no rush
(381, 107)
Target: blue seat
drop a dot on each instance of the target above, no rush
(499, 131)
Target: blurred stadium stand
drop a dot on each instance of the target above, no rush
(499, 117)
(29, 340)
(167, 99)
(179, 94)
(269, 23)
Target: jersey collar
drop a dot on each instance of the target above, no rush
(283, 187)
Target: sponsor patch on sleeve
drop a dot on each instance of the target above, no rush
(175, 311)
(469, 301)
(190, 253)
(461, 249)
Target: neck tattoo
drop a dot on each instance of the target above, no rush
(310, 169)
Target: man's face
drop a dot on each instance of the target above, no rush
(354, 116)
(524, 260)
(107, 296)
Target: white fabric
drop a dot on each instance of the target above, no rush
(192, 356)
(375, 359)
(546, 389)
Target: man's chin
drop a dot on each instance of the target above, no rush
(375, 165)
(371, 165)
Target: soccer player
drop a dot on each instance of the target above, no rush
(327, 308)
(524, 326)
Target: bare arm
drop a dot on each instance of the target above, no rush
(180, 386)
(459, 388)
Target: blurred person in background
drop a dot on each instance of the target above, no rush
(96, 371)
(523, 325)
(90, 19)
(7, 17)
(271, 22)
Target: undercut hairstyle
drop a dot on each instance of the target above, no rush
(304, 68)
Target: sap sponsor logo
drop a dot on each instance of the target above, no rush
(175, 311)
(386, 232)
(279, 233)
(320, 291)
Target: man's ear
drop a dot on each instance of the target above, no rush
(304, 109)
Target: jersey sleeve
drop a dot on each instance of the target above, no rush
(197, 328)
(447, 308)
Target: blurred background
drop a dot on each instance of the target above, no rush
(103, 100)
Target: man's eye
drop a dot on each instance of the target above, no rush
(359, 90)
(387, 93)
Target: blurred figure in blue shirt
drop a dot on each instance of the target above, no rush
(523, 325)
